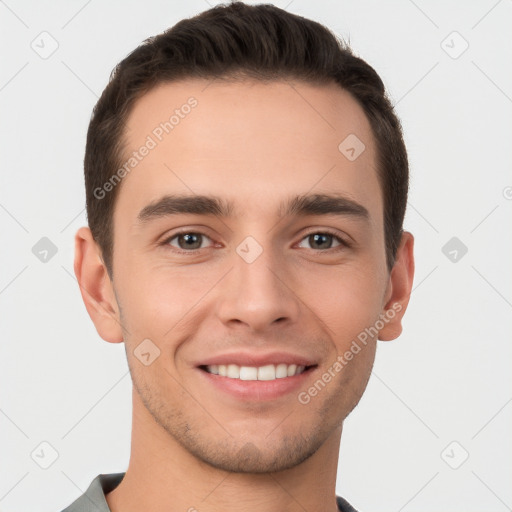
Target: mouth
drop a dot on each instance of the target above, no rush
(267, 372)
(256, 384)
(256, 377)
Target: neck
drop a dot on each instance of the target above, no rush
(162, 475)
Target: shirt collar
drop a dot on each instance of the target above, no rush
(93, 499)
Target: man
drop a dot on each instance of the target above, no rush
(246, 183)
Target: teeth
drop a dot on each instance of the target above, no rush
(281, 371)
(291, 369)
(267, 372)
(233, 371)
(248, 373)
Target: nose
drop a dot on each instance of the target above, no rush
(257, 294)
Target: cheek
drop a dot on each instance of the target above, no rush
(159, 300)
(156, 384)
(347, 299)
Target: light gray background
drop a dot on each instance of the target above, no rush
(446, 379)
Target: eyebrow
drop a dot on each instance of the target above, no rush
(310, 204)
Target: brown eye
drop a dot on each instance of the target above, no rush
(187, 241)
(322, 240)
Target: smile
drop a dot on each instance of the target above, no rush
(265, 373)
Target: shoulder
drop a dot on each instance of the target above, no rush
(344, 505)
(93, 499)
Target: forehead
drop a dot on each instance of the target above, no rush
(247, 140)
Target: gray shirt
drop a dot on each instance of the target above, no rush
(93, 499)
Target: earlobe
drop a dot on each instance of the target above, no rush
(399, 289)
(96, 287)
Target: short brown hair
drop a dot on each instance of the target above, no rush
(261, 42)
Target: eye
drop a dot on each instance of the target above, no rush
(323, 240)
(187, 241)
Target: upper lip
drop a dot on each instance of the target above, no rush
(246, 359)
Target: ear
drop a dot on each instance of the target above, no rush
(96, 287)
(399, 289)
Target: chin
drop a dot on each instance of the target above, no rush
(249, 458)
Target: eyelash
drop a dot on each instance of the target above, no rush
(343, 244)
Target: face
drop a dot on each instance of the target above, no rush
(249, 295)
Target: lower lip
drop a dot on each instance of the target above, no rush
(257, 390)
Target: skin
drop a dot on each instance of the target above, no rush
(256, 145)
